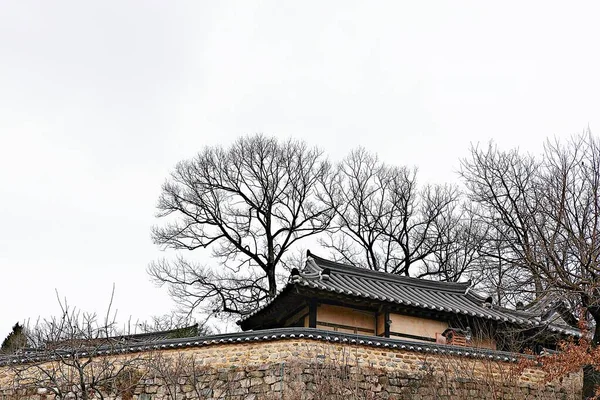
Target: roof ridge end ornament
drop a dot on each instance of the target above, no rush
(322, 275)
(471, 285)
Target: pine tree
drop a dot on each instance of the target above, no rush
(15, 340)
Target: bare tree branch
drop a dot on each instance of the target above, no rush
(250, 204)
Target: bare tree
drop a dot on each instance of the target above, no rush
(174, 371)
(76, 355)
(250, 204)
(501, 187)
(543, 216)
(185, 375)
(383, 220)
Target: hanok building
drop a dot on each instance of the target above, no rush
(336, 297)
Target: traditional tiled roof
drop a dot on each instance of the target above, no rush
(456, 298)
(186, 331)
(279, 334)
(552, 308)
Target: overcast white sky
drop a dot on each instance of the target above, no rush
(99, 100)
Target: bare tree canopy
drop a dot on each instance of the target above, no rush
(457, 255)
(527, 225)
(385, 222)
(542, 216)
(250, 204)
(67, 356)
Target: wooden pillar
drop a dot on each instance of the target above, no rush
(386, 322)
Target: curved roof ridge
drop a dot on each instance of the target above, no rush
(457, 287)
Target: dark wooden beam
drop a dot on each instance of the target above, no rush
(386, 322)
(312, 314)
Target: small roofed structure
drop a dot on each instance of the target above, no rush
(333, 296)
(146, 337)
(458, 337)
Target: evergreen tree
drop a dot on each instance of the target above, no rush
(15, 340)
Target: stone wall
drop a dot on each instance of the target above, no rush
(302, 368)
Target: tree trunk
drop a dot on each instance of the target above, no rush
(591, 377)
(272, 282)
(595, 313)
